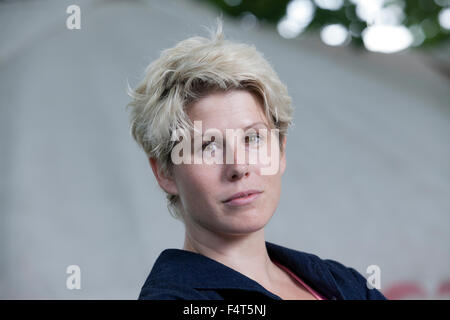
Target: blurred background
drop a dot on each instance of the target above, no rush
(368, 159)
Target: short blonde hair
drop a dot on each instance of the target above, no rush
(189, 71)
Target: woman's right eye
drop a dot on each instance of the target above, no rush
(208, 145)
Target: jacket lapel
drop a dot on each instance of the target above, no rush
(194, 270)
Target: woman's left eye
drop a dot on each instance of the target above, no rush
(206, 145)
(252, 138)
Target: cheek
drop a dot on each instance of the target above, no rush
(275, 190)
(197, 185)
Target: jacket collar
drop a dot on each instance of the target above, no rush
(175, 266)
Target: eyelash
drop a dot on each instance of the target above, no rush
(209, 142)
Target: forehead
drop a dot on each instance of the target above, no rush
(228, 110)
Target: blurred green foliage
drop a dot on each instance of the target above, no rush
(416, 12)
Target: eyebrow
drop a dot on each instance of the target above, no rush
(254, 124)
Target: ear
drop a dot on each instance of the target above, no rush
(165, 182)
(283, 156)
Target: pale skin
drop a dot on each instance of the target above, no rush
(233, 236)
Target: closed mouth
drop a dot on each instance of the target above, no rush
(241, 194)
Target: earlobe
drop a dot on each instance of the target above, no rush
(165, 182)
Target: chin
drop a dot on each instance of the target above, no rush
(245, 223)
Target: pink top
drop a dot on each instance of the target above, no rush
(314, 293)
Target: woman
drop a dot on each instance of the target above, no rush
(223, 200)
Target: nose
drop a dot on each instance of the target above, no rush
(239, 168)
(237, 171)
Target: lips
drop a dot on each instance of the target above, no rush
(242, 194)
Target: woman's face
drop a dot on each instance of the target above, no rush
(203, 188)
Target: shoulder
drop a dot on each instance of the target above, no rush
(328, 276)
(352, 283)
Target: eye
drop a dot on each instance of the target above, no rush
(252, 138)
(208, 145)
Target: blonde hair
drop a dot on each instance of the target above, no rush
(189, 71)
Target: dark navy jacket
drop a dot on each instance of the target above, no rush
(181, 274)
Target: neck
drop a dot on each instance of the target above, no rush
(245, 253)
